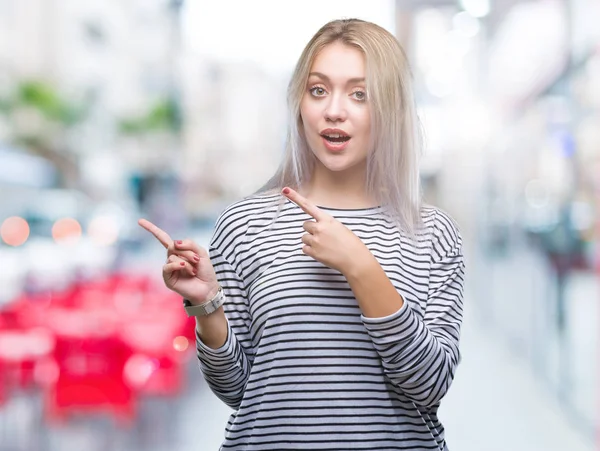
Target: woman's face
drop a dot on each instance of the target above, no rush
(335, 110)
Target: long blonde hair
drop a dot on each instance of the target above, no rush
(393, 160)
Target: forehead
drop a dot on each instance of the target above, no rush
(339, 62)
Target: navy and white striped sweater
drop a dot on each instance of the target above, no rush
(302, 367)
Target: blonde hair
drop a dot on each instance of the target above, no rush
(396, 143)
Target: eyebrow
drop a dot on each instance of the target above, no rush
(326, 78)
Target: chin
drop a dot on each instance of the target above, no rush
(337, 163)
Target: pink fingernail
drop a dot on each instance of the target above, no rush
(286, 191)
(182, 263)
(178, 242)
(196, 257)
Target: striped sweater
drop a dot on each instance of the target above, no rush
(302, 368)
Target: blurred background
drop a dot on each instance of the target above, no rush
(112, 110)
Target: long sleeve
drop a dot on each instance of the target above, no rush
(226, 370)
(420, 355)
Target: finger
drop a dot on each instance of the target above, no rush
(190, 256)
(182, 264)
(311, 227)
(308, 250)
(306, 205)
(189, 245)
(160, 234)
(172, 267)
(308, 239)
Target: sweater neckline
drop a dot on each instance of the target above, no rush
(369, 211)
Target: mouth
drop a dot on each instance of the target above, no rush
(335, 140)
(335, 137)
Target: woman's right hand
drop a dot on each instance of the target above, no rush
(188, 270)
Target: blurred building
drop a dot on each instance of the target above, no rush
(115, 59)
(515, 126)
(234, 133)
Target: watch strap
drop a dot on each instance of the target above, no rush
(207, 307)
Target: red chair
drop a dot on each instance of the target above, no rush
(155, 375)
(90, 379)
(22, 346)
(161, 351)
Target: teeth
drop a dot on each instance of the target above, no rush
(336, 136)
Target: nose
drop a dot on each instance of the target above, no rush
(335, 109)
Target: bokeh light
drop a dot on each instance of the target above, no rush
(103, 230)
(181, 343)
(138, 369)
(66, 229)
(14, 231)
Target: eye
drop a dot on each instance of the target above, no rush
(317, 91)
(361, 96)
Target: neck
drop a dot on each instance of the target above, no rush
(345, 190)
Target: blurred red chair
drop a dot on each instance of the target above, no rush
(97, 344)
(160, 350)
(21, 348)
(90, 379)
(129, 281)
(155, 375)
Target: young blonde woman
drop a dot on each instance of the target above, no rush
(329, 305)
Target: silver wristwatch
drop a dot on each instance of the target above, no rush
(206, 308)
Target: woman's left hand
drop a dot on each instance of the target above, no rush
(328, 240)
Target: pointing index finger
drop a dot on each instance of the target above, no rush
(305, 204)
(160, 234)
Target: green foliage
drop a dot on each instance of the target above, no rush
(43, 97)
(162, 116)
